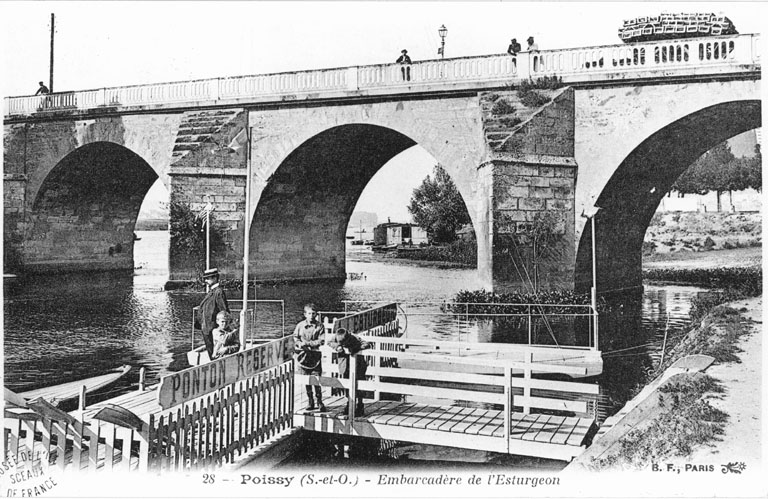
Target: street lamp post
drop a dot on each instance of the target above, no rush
(443, 32)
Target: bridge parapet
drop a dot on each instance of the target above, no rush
(680, 57)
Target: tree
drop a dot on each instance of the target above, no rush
(438, 208)
(715, 170)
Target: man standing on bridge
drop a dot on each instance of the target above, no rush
(405, 65)
(42, 90)
(214, 302)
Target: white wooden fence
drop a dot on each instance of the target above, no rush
(207, 432)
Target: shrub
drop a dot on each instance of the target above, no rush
(502, 106)
(544, 83)
(187, 234)
(510, 122)
(459, 251)
(533, 98)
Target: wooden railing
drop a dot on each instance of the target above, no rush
(224, 425)
(702, 55)
(205, 432)
(424, 374)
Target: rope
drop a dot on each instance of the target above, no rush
(535, 294)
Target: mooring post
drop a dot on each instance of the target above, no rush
(507, 404)
(352, 387)
(142, 378)
(81, 400)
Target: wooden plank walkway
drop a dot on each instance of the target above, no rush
(540, 435)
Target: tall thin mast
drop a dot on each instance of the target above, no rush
(50, 79)
(247, 227)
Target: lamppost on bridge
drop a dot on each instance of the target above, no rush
(443, 32)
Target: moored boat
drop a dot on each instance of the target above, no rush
(66, 392)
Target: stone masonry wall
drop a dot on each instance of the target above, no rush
(204, 164)
(534, 177)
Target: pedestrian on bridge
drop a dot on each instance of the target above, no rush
(346, 344)
(533, 48)
(405, 65)
(308, 337)
(514, 47)
(42, 90)
(214, 302)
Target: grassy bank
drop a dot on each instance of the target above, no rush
(687, 419)
(462, 252)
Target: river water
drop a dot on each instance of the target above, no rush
(61, 328)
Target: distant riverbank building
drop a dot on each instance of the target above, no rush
(393, 233)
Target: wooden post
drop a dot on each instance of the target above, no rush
(530, 323)
(376, 361)
(142, 378)
(352, 388)
(507, 404)
(527, 382)
(81, 400)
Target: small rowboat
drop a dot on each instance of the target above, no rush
(59, 394)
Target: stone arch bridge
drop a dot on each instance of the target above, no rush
(626, 122)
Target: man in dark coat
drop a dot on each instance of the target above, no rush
(42, 90)
(514, 47)
(214, 302)
(405, 64)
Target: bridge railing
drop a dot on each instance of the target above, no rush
(573, 65)
(680, 53)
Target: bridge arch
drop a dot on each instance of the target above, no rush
(301, 216)
(634, 191)
(83, 214)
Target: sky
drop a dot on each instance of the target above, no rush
(105, 44)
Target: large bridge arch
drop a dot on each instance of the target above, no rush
(448, 129)
(300, 218)
(84, 211)
(634, 190)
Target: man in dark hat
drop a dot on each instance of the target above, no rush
(514, 47)
(405, 65)
(214, 302)
(532, 46)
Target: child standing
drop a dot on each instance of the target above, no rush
(307, 340)
(346, 344)
(225, 341)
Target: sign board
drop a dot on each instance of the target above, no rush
(197, 381)
(367, 319)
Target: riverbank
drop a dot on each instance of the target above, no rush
(709, 420)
